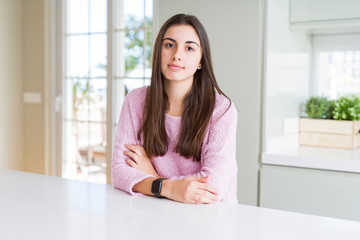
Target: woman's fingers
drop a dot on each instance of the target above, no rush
(139, 157)
(202, 184)
(202, 192)
(136, 149)
(203, 200)
(132, 155)
(131, 163)
(208, 188)
(190, 190)
(203, 196)
(206, 192)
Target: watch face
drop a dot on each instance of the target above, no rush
(156, 187)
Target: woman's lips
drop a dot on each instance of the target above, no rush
(175, 67)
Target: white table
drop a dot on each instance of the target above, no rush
(41, 207)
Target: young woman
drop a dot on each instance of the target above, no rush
(176, 138)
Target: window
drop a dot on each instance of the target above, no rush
(86, 80)
(337, 65)
(133, 48)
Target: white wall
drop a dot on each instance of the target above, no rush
(287, 72)
(11, 110)
(22, 69)
(234, 28)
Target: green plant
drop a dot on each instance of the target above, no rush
(134, 42)
(319, 108)
(347, 108)
(82, 91)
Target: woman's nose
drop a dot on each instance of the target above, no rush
(177, 56)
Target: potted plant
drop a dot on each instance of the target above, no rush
(331, 123)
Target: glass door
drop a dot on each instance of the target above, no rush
(85, 90)
(107, 53)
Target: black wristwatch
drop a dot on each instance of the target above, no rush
(156, 187)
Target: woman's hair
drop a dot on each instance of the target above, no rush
(198, 105)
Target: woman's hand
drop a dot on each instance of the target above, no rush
(139, 159)
(190, 190)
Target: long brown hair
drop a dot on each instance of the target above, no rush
(198, 104)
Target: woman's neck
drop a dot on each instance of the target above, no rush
(176, 92)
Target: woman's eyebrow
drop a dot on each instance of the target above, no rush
(192, 42)
(173, 40)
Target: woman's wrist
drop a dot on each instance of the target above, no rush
(165, 189)
(144, 186)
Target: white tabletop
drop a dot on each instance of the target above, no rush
(41, 207)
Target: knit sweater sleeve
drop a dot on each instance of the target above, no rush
(125, 177)
(218, 154)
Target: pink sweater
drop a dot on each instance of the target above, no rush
(217, 155)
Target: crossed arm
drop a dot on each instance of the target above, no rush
(187, 190)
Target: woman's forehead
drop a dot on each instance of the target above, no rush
(182, 33)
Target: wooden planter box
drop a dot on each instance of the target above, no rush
(329, 133)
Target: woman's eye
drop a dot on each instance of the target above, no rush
(190, 49)
(169, 45)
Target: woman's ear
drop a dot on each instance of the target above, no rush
(199, 66)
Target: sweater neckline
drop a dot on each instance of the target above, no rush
(172, 117)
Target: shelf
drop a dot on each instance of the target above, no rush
(343, 160)
(326, 28)
(324, 17)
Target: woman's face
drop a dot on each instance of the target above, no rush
(180, 53)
